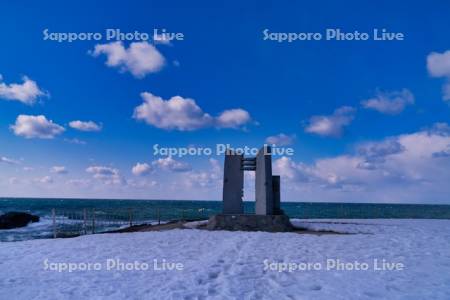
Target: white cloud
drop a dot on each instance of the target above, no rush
(59, 170)
(8, 161)
(79, 182)
(442, 153)
(107, 175)
(75, 141)
(288, 169)
(45, 180)
(141, 169)
(100, 171)
(440, 128)
(26, 92)
(176, 113)
(205, 179)
(139, 59)
(233, 118)
(142, 183)
(36, 127)
(85, 125)
(391, 103)
(408, 168)
(438, 65)
(332, 125)
(411, 167)
(170, 164)
(375, 153)
(446, 90)
(184, 114)
(13, 180)
(280, 140)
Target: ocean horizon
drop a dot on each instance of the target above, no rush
(115, 213)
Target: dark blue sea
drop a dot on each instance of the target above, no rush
(89, 215)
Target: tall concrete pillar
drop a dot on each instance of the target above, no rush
(276, 195)
(263, 182)
(233, 184)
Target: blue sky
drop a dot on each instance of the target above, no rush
(367, 119)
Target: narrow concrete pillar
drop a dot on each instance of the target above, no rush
(263, 182)
(276, 195)
(233, 184)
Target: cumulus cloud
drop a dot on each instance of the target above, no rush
(170, 164)
(26, 92)
(184, 114)
(280, 140)
(411, 167)
(107, 175)
(375, 153)
(85, 125)
(205, 179)
(442, 153)
(36, 127)
(176, 113)
(332, 125)
(140, 59)
(288, 169)
(391, 103)
(232, 118)
(141, 169)
(100, 171)
(59, 170)
(439, 128)
(318, 176)
(438, 65)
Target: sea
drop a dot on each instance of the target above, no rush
(71, 217)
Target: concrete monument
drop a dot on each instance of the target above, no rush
(268, 214)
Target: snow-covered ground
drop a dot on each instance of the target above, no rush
(237, 265)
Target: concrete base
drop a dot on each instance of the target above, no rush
(270, 223)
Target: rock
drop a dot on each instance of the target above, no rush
(270, 223)
(16, 219)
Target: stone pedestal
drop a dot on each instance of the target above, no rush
(239, 222)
